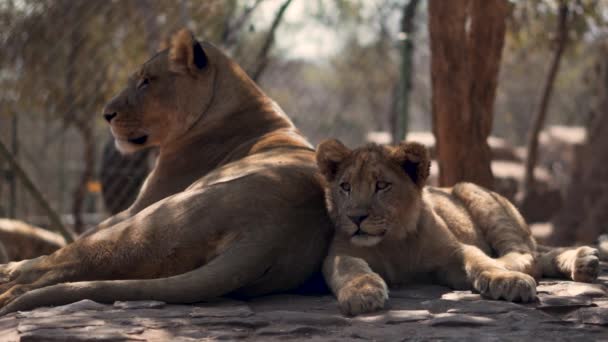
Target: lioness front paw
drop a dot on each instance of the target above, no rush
(364, 294)
(586, 265)
(509, 285)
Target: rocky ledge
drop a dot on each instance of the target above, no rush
(565, 311)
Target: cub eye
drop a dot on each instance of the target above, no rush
(381, 185)
(143, 83)
(345, 186)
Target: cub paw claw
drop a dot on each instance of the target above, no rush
(586, 265)
(365, 294)
(509, 285)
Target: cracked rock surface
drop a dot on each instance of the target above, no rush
(565, 311)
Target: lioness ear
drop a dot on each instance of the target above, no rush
(330, 154)
(186, 54)
(414, 160)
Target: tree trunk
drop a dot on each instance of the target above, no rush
(539, 119)
(467, 37)
(583, 217)
(408, 28)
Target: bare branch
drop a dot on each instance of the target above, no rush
(229, 36)
(262, 59)
(539, 118)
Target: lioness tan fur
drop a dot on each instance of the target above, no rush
(234, 204)
(392, 230)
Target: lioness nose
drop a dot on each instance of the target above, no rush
(357, 219)
(109, 116)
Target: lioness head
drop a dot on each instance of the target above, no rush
(165, 97)
(374, 191)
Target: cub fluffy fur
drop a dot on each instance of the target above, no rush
(234, 203)
(391, 229)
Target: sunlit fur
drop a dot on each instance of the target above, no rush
(463, 237)
(387, 209)
(158, 102)
(233, 205)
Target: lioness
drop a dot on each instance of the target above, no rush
(234, 204)
(392, 229)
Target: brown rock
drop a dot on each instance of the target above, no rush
(458, 320)
(597, 316)
(548, 302)
(142, 304)
(396, 316)
(304, 318)
(572, 289)
(219, 310)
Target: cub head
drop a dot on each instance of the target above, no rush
(166, 96)
(373, 192)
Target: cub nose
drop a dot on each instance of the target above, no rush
(109, 116)
(357, 219)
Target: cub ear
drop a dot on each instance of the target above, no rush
(330, 154)
(186, 54)
(415, 161)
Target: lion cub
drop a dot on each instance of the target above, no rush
(391, 229)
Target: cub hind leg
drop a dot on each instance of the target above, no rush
(503, 228)
(492, 279)
(509, 236)
(576, 263)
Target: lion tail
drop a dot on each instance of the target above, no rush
(226, 273)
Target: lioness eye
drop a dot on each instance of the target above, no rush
(381, 185)
(143, 83)
(345, 186)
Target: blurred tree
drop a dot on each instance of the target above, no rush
(232, 27)
(531, 195)
(262, 58)
(69, 80)
(408, 29)
(584, 215)
(467, 37)
(56, 223)
(61, 60)
(531, 41)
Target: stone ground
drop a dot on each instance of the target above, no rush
(565, 311)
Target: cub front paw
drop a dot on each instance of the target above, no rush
(363, 294)
(586, 265)
(509, 285)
